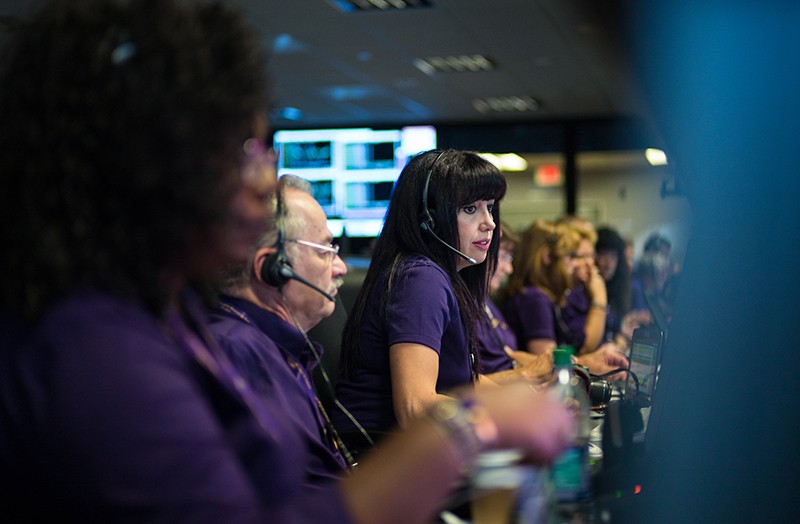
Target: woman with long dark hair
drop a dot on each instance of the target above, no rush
(410, 336)
(614, 268)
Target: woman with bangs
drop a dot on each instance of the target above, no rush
(410, 336)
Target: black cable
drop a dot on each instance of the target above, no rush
(612, 372)
(627, 372)
(345, 452)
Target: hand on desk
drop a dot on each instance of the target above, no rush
(606, 358)
(533, 367)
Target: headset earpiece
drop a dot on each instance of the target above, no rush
(427, 223)
(276, 269)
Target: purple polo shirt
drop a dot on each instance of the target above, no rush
(106, 416)
(274, 358)
(420, 308)
(531, 315)
(493, 335)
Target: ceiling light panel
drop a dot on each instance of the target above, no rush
(350, 6)
(453, 64)
(505, 104)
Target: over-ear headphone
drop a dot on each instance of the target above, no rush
(427, 223)
(277, 269)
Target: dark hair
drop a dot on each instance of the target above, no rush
(619, 287)
(656, 242)
(121, 127)
(456, 178)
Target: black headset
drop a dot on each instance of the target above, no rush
(277, 269)
(428, 224)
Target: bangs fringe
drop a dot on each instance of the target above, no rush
(484, 184)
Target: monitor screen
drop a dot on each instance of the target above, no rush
(305, 155)
(352, 170)
(369, 195)
(644, 359)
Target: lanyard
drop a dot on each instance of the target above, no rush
(329, 433)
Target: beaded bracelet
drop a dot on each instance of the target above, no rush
(466, 424)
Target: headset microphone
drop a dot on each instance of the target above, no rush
(469, 259)
(427, 223)
(295, 276)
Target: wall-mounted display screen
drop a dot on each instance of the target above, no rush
(352, 170)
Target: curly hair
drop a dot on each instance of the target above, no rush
(456, 178)
(121, 124)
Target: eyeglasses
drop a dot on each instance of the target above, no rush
(575, 256)
(330, 251)
(258, 165)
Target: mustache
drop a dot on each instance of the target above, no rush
(337, 283)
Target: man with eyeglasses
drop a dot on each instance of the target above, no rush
(266, 306)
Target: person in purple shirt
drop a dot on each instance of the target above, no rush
(495, 338)
(537, 288)
(132, 137)
(501, 361)
(262, 327)
(535, 295)
(410, 335)
(584, 313)
(621, 318)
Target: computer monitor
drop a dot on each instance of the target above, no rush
(645, 360)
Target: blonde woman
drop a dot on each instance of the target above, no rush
(536, 294)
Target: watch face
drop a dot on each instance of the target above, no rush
(446, 410)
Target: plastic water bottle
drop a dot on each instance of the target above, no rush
(570, 473)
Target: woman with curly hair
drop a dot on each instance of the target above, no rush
(587, 301)
(535, 296)
(133, 157)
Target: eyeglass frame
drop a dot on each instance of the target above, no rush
(331, 249)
